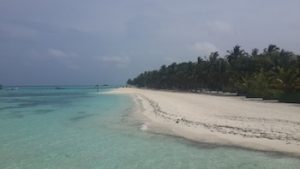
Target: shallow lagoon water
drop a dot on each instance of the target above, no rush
(80, 128)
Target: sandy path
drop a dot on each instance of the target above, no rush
(221, 119)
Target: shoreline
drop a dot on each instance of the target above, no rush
(254, 125)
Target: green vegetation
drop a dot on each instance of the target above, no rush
(271, 74)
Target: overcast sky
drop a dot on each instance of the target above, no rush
(108, 41)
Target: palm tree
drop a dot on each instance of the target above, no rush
(254, 52)
(271, 48)
(235, 54)
(266, 74)
(288, 79)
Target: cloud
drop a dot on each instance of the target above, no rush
(170, 59)
(156, 31)
(220, 26)
(12, 30)
(204, 48)
(66, 58)
(116, 60)
(57, 53)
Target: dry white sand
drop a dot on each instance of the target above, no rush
(225, 120)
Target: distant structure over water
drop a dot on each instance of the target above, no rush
(97, 87)
(58, 88)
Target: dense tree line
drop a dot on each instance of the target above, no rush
(271, 74)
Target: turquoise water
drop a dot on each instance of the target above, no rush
(80, 128)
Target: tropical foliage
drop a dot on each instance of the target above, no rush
(271, 74)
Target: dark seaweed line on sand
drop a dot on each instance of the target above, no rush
(224, 129)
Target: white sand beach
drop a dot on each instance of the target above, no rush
(224, 120)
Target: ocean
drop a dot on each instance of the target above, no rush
(82, 128)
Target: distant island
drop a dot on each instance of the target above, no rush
(271, 74)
